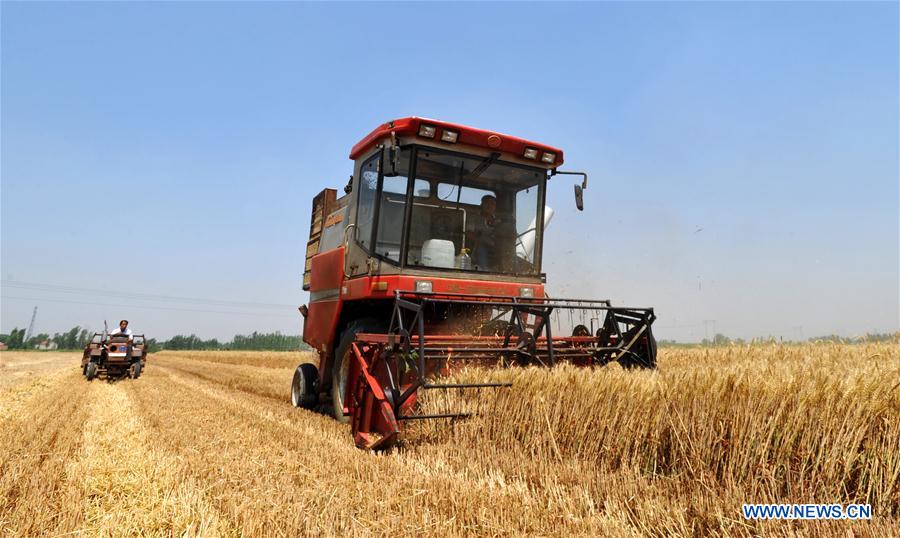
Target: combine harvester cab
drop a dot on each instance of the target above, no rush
(114, 356)
(432, 261)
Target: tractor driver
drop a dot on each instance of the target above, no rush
(122, 330)
(482, 234)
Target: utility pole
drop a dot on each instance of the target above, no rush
(30, 326)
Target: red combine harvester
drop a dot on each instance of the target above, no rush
(432, 260)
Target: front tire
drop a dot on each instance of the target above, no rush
(644, 355)
(136, 370)
(343, 357)
(90, 371)
(305, 386)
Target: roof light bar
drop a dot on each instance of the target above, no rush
(548, 157)
(449, 136)
(531, 153)
(428, 131)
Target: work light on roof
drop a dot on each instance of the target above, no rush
(449, 136)
(531, 153)
(548, 157)
(428, 131)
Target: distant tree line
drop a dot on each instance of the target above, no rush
(871, 338)
(74, 338)
(722, 340)
(77, 337)
(256, 341)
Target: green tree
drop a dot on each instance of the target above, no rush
(152, 345)
(182, 342)
(84, 336)
(16, 339)
(74, 338)
(265, 342)
(36, 340)
(721, 340)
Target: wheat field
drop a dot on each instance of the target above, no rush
(207, 444)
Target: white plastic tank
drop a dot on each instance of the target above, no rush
(525, 246)
(438, 253)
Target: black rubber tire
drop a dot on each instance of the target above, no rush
(645, 357)
(136, 370)
(305, 386)
(84, 370)
(342, 357)
(91, 371)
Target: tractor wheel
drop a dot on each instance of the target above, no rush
(305, 386)
(90, 371)
(342, 358)
(644, 355)
(136, 370)
(84, 369)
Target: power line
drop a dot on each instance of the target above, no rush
(37, 286)
(131, 306)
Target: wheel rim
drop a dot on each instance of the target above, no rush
(342, 380)
(295, 396)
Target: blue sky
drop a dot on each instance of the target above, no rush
(200, 132)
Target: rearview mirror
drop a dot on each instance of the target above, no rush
(579, 189)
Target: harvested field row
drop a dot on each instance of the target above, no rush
(264, 359)
(563, 452)
(17, 368)
(39, 440)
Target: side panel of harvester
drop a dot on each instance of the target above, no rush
(320, 324)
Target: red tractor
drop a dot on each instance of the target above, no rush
(432, 260)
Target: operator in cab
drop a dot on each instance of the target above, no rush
(482, 235)
(123, 330)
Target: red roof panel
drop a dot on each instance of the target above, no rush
(470, 136)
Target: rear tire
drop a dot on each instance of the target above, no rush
(305, 386)
(342, 359)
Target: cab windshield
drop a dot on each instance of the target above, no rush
(468, 213)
